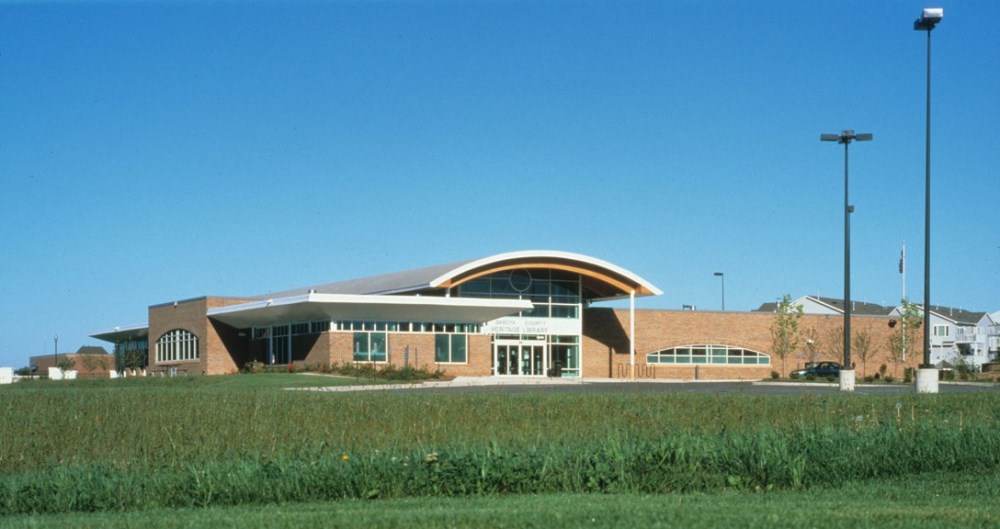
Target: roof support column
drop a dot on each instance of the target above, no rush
(631, 333)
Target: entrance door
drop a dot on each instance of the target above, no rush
(519, 357)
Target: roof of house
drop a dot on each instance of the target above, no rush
(91, 350)
(963, 316)
(861, 308)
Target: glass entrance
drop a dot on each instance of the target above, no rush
(519, 358)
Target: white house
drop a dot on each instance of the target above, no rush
(957, 336)
(989, 326)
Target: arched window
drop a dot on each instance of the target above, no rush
(177, 345)
(708, 354)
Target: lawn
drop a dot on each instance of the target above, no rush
(192, 450)
(932, 501)
(236, 383)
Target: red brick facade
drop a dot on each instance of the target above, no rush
(606, 347)
(604, 344)
(86, 365)
(221, 349)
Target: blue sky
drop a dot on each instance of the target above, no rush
(154, 151)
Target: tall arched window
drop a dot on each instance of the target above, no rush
(177, 345)
(708, 354)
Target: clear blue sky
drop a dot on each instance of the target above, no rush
(153, 151)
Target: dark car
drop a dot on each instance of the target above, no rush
(818, 370)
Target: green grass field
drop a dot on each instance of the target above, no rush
(932, 501)
(188, 451)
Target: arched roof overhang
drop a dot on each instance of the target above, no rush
(601, 279)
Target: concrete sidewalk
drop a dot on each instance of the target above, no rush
(464, 382)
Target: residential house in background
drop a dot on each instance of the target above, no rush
(958, 336)
(990, 325)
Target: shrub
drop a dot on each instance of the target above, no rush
(889, 379)
(253, 366)
(869, 379)
(66, 363)
(831, 379)
(908, 375)
(810, 376)
(775, 375)
(882, 369)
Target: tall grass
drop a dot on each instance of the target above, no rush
(763, 460)
(160, 443)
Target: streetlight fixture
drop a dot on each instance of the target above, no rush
(927, 375)
(723, 276)
(847, 372)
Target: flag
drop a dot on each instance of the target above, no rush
(902, 259)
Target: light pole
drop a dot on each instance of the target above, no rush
(927, 376)
(723, 276)
(55, 352)
(846, 373)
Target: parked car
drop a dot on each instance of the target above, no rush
(818, 370)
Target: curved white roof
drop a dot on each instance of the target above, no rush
(545, 255)
(445, 275)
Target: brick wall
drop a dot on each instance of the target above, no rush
(421, 352)
(606, 347)
(86, 365)
(221, 348)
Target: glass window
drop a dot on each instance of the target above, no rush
(565, 311)
(378, 346)
(370, 347)
(441, 348)
(545, 287)
(540, 310)
(707, 354)
(177, 345)
(450, 348)
(361, 347)
(459, 344)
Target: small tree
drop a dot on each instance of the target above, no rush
(93, 362)
(66, 363)
(835, 343)
(812, 344)
(785, 329)
(904, 334)
(864, 348)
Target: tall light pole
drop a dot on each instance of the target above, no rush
(723, 276)
(846, 373)
(927, 376)
(55, 351)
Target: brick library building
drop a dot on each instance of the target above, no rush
(517, 314)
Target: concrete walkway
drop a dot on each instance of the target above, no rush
(466, 382)
(520, 384)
